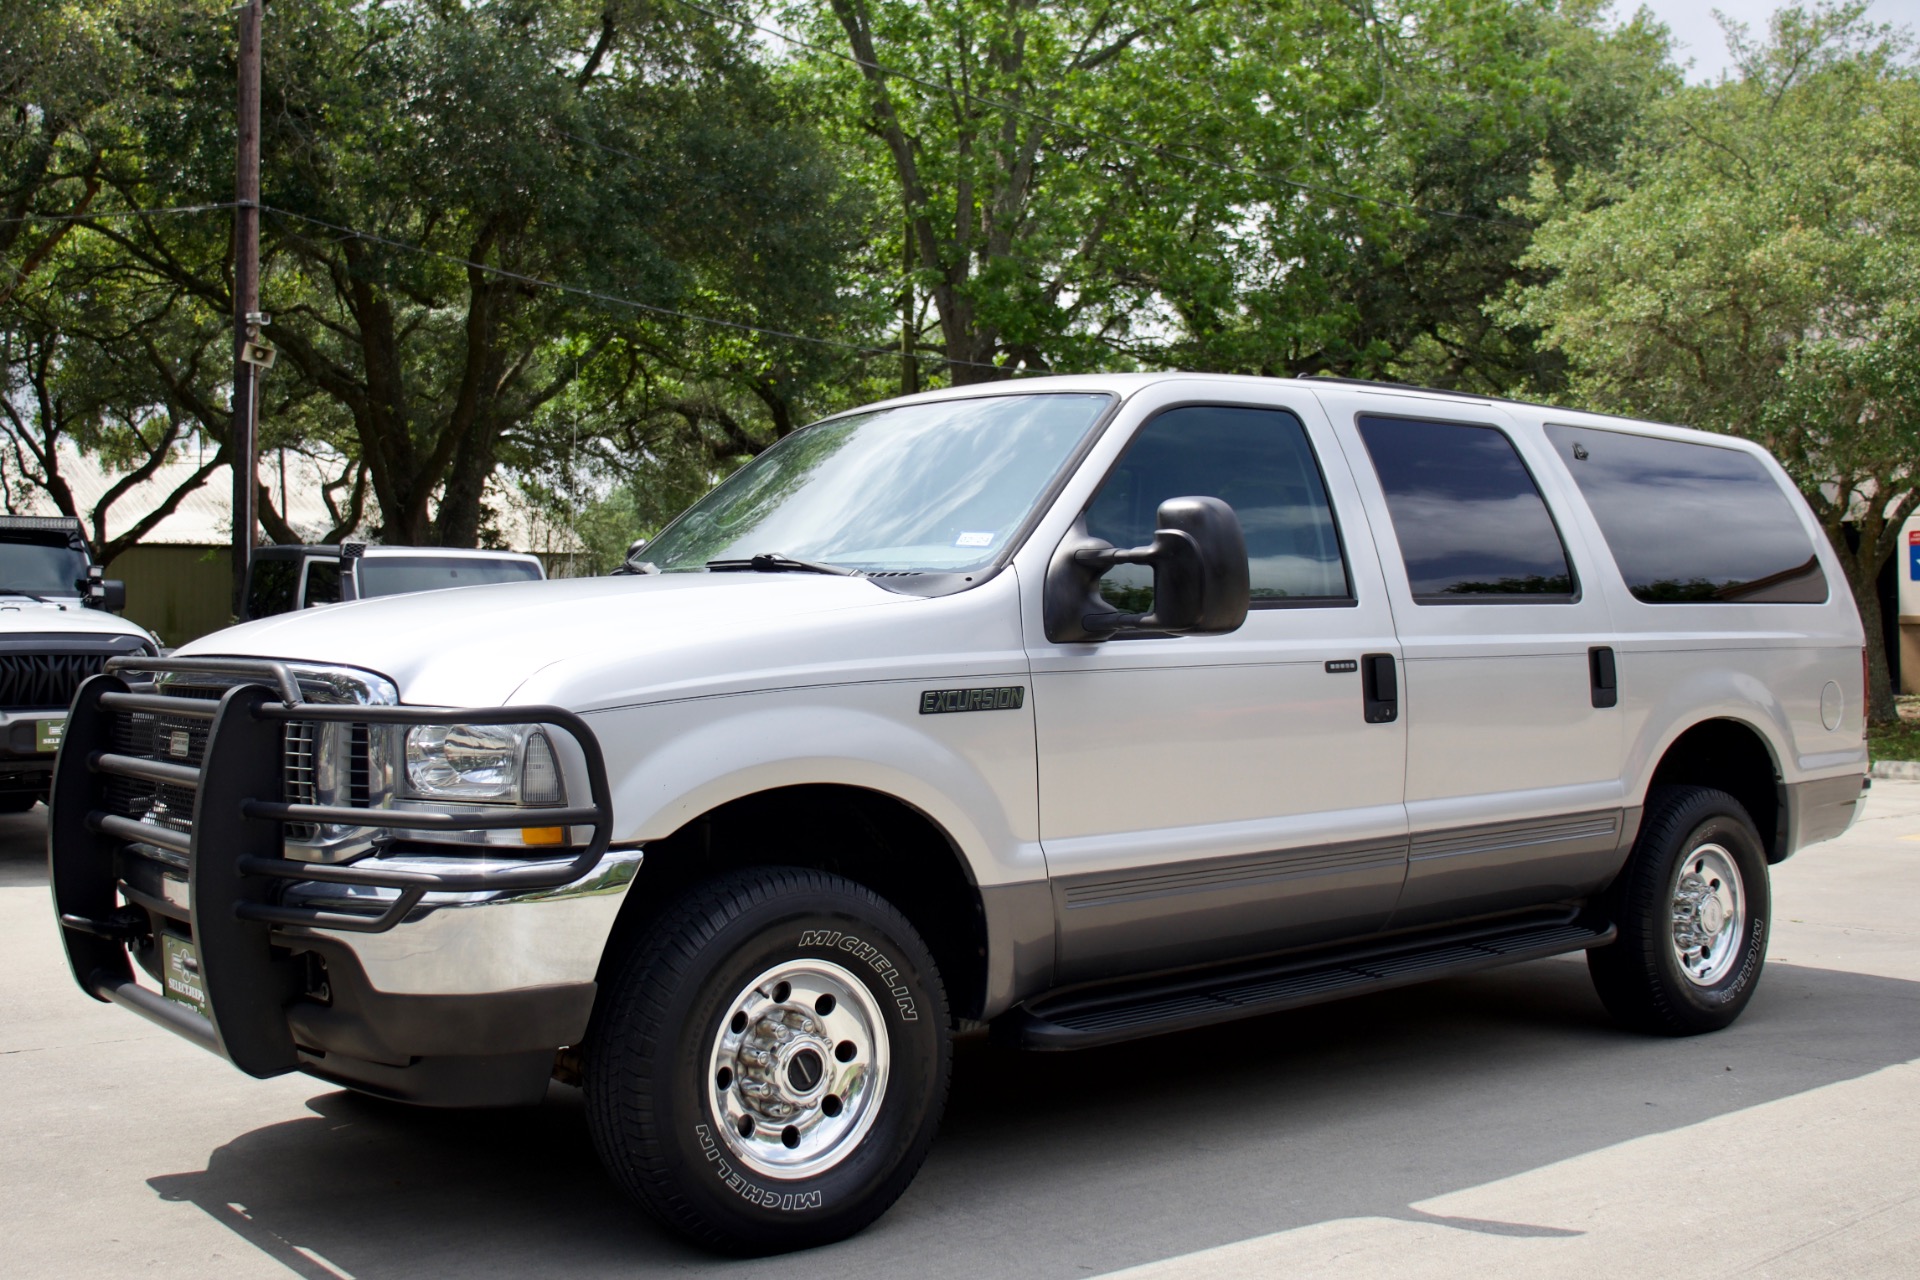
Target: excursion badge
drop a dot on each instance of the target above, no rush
(935, 702)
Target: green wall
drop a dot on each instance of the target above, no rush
(179, 593)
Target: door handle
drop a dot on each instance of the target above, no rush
(1606, 681)
(1379, 688)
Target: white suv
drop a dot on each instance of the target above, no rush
(1087, 708)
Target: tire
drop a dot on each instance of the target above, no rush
(1681, 966)
(793, 1002)
(18, 801)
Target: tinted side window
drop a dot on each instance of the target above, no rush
(1470, 521)
(1692, 522)
(1257, 461)
(323, 582)
(270, 589)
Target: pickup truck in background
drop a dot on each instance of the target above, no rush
(287, 578)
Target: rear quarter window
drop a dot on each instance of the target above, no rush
(1692, 523)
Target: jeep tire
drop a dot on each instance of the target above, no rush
(769, 1060)
(1693, 907)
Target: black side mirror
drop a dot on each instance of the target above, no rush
(1200, 586)
(101, 592)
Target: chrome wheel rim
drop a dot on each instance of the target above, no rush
(1709, 914)
(798, 1069)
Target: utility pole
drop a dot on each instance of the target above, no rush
(246, 299)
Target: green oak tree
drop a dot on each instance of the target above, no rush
(1261, 186)
(432, 169)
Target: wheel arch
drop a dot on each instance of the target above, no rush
(1736, 757)
(871, 837)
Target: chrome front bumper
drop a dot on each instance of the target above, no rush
(436, 976)
(480, 942)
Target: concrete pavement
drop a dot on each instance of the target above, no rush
(1491, 1126)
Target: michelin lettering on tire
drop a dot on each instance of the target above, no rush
(1750, 965)
(751, 1192)
(873, 958)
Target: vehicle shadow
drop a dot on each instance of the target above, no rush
(23, 848)
(1072, 1164)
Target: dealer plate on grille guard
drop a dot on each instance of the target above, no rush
(47, 733)
(180, 972)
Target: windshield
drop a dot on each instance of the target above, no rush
(51, 568)
(397, 575)
(935, 487)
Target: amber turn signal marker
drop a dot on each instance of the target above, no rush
(543, 835)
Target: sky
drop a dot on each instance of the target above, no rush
(1699, 38)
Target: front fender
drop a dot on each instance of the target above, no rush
(973, 775)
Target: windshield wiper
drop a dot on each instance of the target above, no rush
(18, 591)
(774, 562)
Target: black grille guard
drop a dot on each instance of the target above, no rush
(233, 851)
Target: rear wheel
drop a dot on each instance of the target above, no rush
(769, 1062)
(1693, 907)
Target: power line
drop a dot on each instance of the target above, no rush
(612, 299)
(119, 213)
(1165, 153)
(595, 295)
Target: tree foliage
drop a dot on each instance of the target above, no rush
(96, 354)
(1261, 186)
(432, 172)
(1754, 268)
(612, 247)
(431, 163)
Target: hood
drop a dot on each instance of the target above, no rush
(476, 645)
(19, 615)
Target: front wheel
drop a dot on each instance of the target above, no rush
(1693, 907)
(769, 1062)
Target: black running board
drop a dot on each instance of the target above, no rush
(1085, 1019)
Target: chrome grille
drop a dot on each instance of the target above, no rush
(326, 765)
(359, 767)
(302, 782)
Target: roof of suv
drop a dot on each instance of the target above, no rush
(1126, 384)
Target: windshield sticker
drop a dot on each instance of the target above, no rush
(974, 540)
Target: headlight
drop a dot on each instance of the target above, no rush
(497, 763)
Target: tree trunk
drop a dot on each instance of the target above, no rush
(1863, 579)
(461, 506)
